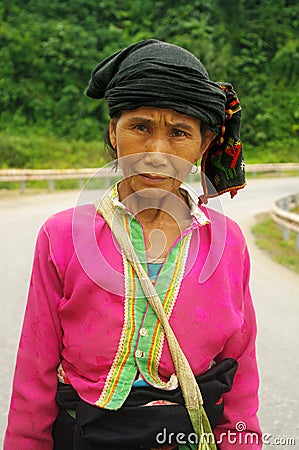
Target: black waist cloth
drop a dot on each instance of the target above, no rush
(134, 426)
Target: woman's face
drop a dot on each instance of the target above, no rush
(156, 148)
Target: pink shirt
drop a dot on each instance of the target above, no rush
(75, 316)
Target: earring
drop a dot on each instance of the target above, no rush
(115, 162)
(115, 165)
(194, 169)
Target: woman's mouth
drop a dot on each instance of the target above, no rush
(152, 178)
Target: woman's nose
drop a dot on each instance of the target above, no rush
(156, 152)
(155, 158)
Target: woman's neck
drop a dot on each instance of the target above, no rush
(163, 218)
(154, 205)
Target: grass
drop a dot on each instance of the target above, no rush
(269, 237)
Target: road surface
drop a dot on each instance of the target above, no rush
(275, 292)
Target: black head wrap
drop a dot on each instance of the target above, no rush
(162, 75)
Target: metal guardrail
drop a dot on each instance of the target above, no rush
(282, 215)
(272, 167)
(23, 175)
(52, 174)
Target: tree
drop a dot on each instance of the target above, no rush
(48, 50)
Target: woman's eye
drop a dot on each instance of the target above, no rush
(178, 133)
(140, 127)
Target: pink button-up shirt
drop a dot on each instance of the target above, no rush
(75, 317)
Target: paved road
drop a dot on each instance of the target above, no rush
(275, 292)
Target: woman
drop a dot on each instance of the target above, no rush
(97, 365)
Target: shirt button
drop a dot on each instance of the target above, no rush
(139, 354)
(143, 332)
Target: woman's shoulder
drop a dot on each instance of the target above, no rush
(218, 216)
(63, 232)
(219, 222)
(67, 217)
(64, 219)
(61, 226)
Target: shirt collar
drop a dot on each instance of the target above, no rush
(195, 210)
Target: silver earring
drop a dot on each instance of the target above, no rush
(115, 165)
(115, 162)
(194, 169)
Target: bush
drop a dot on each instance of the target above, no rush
(34, 151)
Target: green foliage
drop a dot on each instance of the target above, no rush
(48, 50)
(45, 152)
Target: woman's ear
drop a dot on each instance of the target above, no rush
(112, 133)
(209, 137)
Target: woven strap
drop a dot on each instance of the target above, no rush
(190, 390)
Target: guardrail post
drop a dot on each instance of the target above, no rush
(287, 203)
(286, 220)
(286, 234)
(51, 185)
(22, 185)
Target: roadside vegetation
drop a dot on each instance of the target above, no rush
(268, 237)
(48, 50)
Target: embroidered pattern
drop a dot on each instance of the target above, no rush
(62, 376)
(222, 165)
(124, 347)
